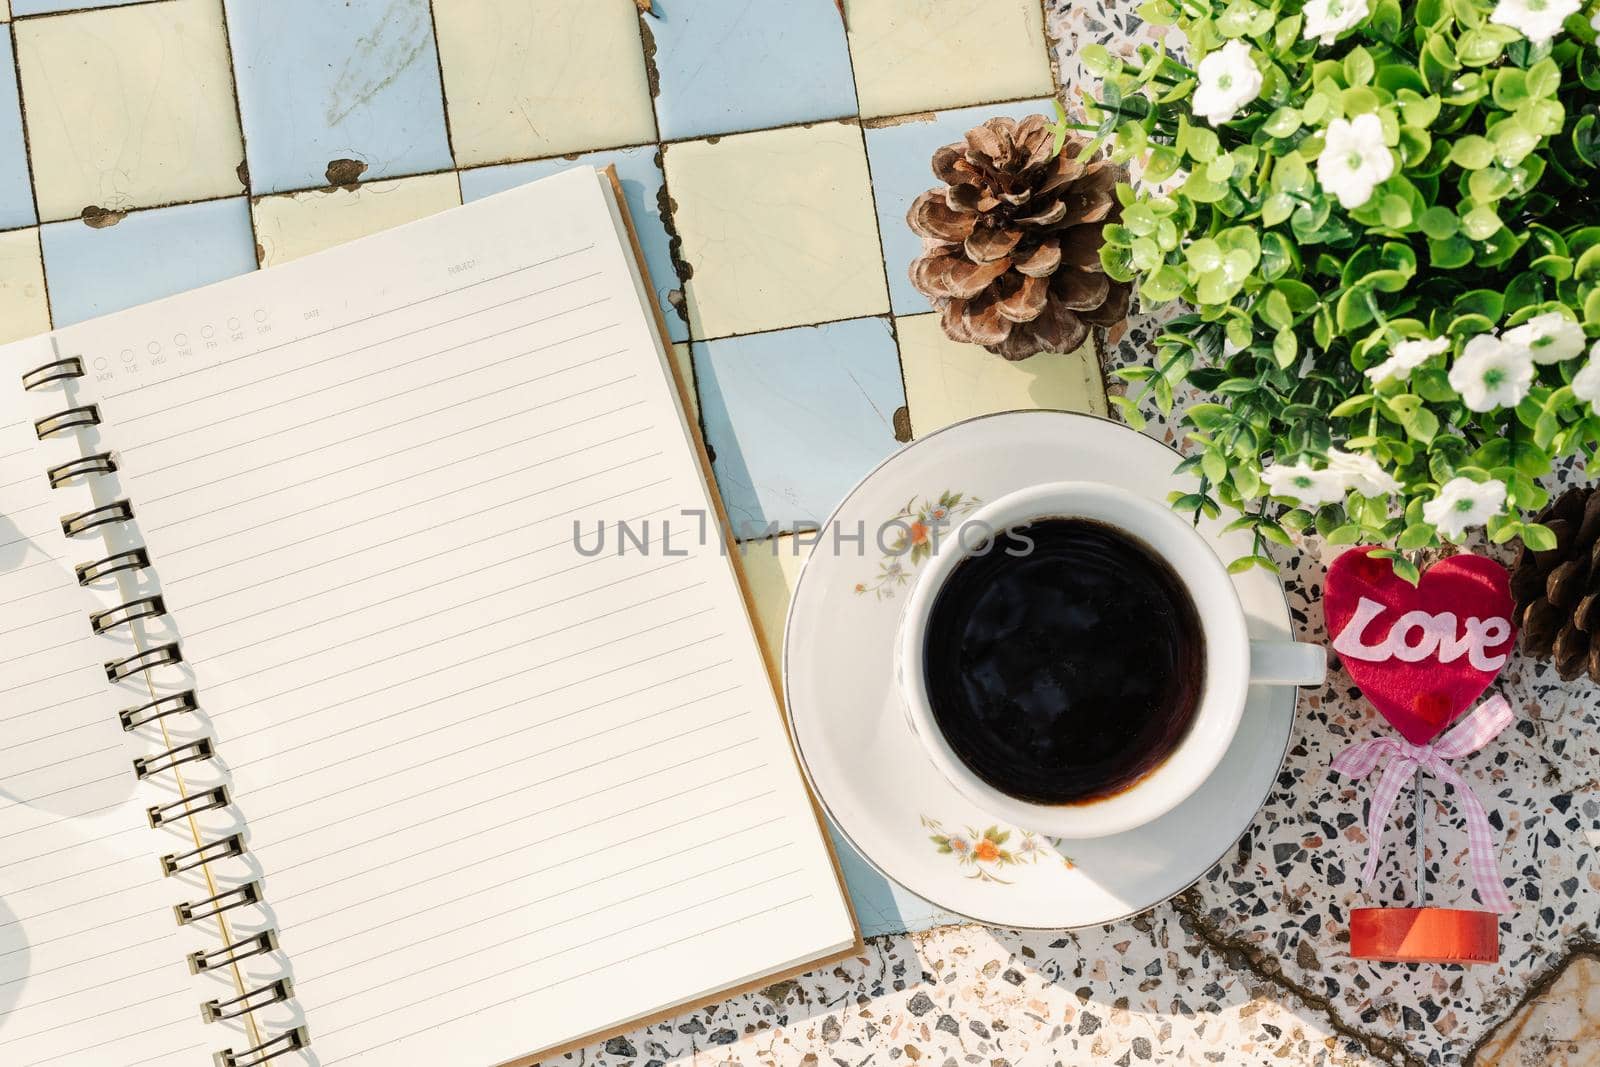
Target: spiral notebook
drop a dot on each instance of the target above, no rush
(323, 741)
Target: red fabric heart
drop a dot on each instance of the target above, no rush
(1424, 654)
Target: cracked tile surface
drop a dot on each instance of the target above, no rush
(319, 82)
(543, 79)
(778, 229)
(115, 121)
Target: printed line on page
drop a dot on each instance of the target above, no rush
(190, 374)
(311, 622)
(257, 820)
(551, 985)
(437, 610)
(235, 416)
(433, 641)
(502, 390)
(525, 905)
(406, 536)
(231, 475)
(420, 503)
(456, 723)
(723, 837)
(412, 857)
(394, 802)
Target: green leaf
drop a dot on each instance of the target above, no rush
(1438, 222)
(1276, 208)
(1165, 283)
(1544, 78)
(1478, 48)
(1395, 212)
(1537, 537)
(1163, 164)
(1480, 223)
(1274, 310)
(1451, 253)
(1359, 67)
(1415, 537)
(1285, 347)
(1282, 122)
(1472, 152)
(1277, 256)
(1485, 302)
(1129, 409)
(1510, 88)
(1406, 570)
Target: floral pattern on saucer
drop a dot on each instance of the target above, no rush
(985, 850)
(914, 527)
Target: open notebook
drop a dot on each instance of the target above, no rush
(321, 741)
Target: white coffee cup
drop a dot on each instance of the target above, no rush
(1233, 662)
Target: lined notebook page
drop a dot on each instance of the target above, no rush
(91, 959)
(504, 794)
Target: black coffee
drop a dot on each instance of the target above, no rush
(1067, 671)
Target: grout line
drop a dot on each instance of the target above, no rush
(444, 98)
(253, 196)
(33, 178)
(1241, 955)
(1580, 948)
(244, 147)
(83, 10)
(883, 261)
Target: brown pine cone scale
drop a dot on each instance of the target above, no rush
(1012, 240)
(1557, 591)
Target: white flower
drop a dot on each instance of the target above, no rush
(1491, 374)
(1537, 20)
(1594, 22)
(1586, 383)
(1327, 19)
(1354, 159)
(1549, 338)
(1463, 502)
(1302, 482)
(1406, 357)
(1362, 473)
(1229, 79)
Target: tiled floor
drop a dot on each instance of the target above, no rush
(768, 151)
(767, 155)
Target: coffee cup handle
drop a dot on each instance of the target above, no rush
(1287, 663)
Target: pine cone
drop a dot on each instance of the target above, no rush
(1557, 592)
(1013, 240)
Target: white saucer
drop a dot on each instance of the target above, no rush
(870, 772)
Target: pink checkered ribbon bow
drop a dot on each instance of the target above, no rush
(1401, 758)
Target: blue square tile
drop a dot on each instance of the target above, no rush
(320, 82)
(16, 191)
(732, 65)
(899, 156)
(795, 418)
(640, 174)
(145, 256)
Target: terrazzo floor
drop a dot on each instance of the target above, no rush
(769, 151)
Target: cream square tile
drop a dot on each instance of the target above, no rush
(778, 228)
(947, 381)
(5, 10)
(911, 55)
(24, 311)
(542, 78)
(129, 107)
(685, 362)
(771, 567)
(291, 225)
